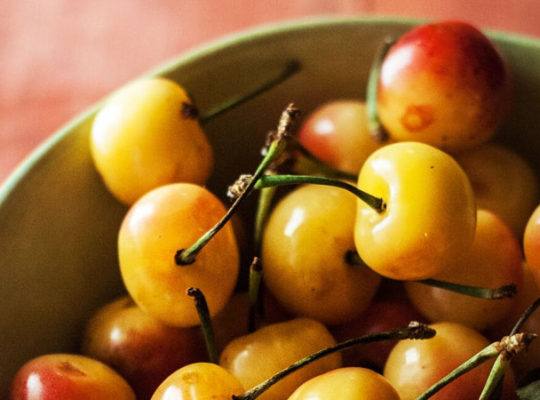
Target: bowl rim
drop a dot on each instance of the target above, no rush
(241, 37)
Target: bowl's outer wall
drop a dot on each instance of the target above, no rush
(58, 225)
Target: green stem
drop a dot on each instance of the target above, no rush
(495, 377)
(206, 323)
(275, 150)
(280, 180)
(255, 279)
(374, 124)
(489, 352)
(291, 68)
(415, 330)
(474, 291)
(264, 203)
(498, 369)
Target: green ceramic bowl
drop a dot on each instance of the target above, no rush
(58, 224)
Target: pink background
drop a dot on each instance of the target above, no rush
(59, 56)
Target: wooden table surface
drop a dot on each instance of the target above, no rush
(59, 56)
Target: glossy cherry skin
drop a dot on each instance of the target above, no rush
(305, 246)
(531, 244)
(443, 84)
(165, 220)
(493, 260)
(199, 381)
(383, 314)
(256, 357)
(414, 365)
(68, 377)
(430, 214)
(347, 383)
(337, 133)
(142, 349)
(503, 182)
(145, 136)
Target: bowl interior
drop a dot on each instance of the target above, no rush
(58, 224)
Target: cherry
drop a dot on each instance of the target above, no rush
(68, 377)
(199, 381)
(305, 256)
(164, 220)
(493, 261)
(430, 213)
(258, 356)
(337, 134)
(347, 383)
(142, 349)
(444, 84)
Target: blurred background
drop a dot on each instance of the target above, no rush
(59, 56)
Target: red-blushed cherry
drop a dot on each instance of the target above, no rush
(68, 377)
(337, 133)
(443, 84)
(414, 365)
(384, 314)
(142, 349)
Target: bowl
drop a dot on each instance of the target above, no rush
(58, 223)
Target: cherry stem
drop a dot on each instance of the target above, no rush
(275, 150)
(508, 346)
(479, 358)
(206, 323)
(495, 377)
(255, 278)
(353, 258)
(291, 68)
(374, 124)
(502, 292)
(376, 203)
(498, 369)
(320, 166)
(264, 203)
(525, 316)
(415, 330)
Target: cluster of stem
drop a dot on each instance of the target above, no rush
(505, 349)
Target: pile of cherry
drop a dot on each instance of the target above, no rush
(407, 211)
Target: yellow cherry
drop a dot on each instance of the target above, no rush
(146, 136)
(493, 260)
(258, 356)
(503, 182)
(199, 381)
(347, 383)
(163, 221)
(305, 247)
(430, 213)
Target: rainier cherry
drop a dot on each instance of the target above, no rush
(430, 214)
(163, 221)
(444, 84)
